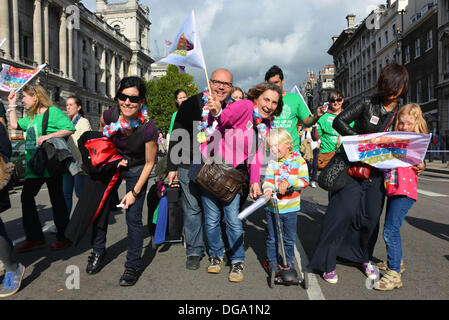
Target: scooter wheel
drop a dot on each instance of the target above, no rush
(272, 277)
(306, 280)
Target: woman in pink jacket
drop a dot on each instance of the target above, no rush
(238, 126)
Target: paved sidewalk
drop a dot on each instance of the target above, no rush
(437, 166)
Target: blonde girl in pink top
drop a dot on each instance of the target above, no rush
(401, 189)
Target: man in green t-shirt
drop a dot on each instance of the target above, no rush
(294, 107)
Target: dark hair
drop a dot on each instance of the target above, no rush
(129, 82)
(78, 103)
(334, 94)
(392, 79)
(274, 70)
(256, 92)
(176, 96)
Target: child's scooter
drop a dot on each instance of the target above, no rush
(286, 275)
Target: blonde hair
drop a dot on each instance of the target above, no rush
(42, 98)
(414, 110)
(278, 136)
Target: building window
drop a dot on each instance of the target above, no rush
(407, 54)
(446, 62)
(418, 91)
(386, 36)
(429, 42)
(57, 94)
(447, 10)
(417, 48)
(87, 106)
(96, 82)
(84, 78)
(430, 87)
(84, 46)
(379, 42)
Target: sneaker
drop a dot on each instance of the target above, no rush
(371, 270)
(216, 264)
(52, 229)
(331, 277)
(2, 269)
(236, 274)
(11, 281)
(30, 245)
(193, 262)
(313, 184)
(59, 245)
(389, 281)
(384, 266)
(129, 277)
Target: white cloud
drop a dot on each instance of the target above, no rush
(248, 36)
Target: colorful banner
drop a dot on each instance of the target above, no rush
(186, 48)
(13, 79)
(387, 150)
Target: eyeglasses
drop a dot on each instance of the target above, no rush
(133, 99)
(335, 100)
(224, 84)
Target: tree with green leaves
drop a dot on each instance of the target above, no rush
(160, 99)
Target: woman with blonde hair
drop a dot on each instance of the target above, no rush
(36, 103)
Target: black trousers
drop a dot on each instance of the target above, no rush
(31, 223)
(351, 223)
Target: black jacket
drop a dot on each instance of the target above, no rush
(189, 114)
(369, 115)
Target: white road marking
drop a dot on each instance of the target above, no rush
(314, 291)
(431, 194)
(45, 229)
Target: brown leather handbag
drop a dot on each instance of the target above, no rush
(325, 157)
(221, 180)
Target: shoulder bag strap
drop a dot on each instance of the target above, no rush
(45, 121)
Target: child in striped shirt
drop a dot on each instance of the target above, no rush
(287, 171)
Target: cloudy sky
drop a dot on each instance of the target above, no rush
(249, 36)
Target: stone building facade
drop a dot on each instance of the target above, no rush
(87, 53)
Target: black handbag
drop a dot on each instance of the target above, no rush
(39, 160)
(334, 175)
(223, 181)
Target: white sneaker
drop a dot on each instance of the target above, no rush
(371, 270)
(52, 229)
(313, 184)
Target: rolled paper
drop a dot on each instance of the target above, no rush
(256, 205)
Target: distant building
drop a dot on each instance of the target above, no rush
(86, 60)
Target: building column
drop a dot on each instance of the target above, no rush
(70, 51)
(113, 73)
(4, 27)
(46, 34)
(63, 44)
(15, 13)
(37, 31)
(103, 70)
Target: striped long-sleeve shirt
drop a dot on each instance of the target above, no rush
(294, 171)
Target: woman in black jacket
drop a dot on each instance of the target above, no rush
(351, 223)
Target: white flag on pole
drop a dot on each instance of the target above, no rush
(186, 47)
(296, 90)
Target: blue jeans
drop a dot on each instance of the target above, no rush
(234, 227)
(397, 208)
(288, 227)
(68, 183)
(133, 220)
(193, 223)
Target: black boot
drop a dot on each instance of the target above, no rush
(129, 277)
(94, 262)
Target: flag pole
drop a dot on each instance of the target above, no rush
(207, 79)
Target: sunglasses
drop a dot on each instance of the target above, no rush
(336, 100)
(133, 99)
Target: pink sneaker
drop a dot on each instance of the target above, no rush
(331, 277)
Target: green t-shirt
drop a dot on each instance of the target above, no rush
(172, 121)
(294, 108)
(328, 135)
(57, 121)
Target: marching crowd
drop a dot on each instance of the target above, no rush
(261, 143)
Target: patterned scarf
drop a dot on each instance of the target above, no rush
(204, 129)
(113, 128)
(261, 125)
